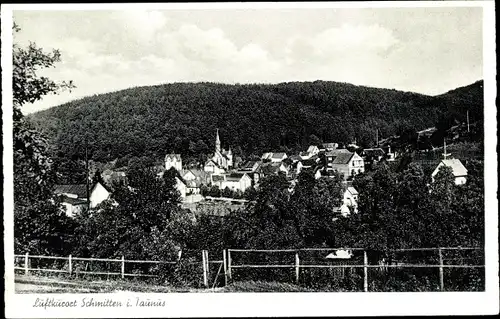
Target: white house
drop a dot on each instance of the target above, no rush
(181, 186)
(313, 150)
(173, 160)
(458, 169)
(234, 181)
(212, 167)
(74, 197)
(98, 194)
(345, 162)
(278, 157)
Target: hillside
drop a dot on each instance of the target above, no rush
(183, 117)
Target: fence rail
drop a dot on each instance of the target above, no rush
(299, 261)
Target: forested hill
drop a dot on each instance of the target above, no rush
(183, 117)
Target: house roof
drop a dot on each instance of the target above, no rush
(211, 161)
(173, 156)
(309, 162)
(329, 145)
(456, 165)
(235, 176)
(312, 148)
(337, 152)
(270, 168)
(77, 189)
(217, 178)
(72, 201)
(267, 155)
(294, 158)
(249, 165)
(352, 190)
(278, 155)
(374, 151)
(343, 158)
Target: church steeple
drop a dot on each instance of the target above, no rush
(217, 142)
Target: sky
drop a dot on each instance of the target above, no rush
(424, 50)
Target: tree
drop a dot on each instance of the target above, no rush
(40, 226)
(137, 214)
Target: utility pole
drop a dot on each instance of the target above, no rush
(468, 129)
(445, 155)
(87, 174)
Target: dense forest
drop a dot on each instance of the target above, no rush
(183, 117)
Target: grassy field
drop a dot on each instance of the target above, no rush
(41, 284)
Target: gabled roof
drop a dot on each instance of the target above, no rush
(72, 201)
(249, 165)
(173, 156)
(270, 168)
(352, 190)
(211, 161)
(337, 152)
(79, 190)
(278, 155)
(329, 145)
(309, 162)
(267, 155)
(343, 158)
(456, 165)
(374, 151)
(312, 148)
(235, 176)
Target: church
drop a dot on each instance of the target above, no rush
(221, 161)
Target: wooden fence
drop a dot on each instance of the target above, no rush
(298, 266)
(297, 263)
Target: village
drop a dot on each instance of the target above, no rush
(232, 180)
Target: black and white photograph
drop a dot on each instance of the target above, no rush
(175, 160)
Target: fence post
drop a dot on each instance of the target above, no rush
(297, 267)
(224, 262)
(70, 265)
(441, 274)
(123, 267)
(204, 265)
(365, 268)
(229, 265)
(26, 264)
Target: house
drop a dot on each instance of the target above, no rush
(235, 181)
(328, 147)
(194, 179)
(313, 150)
(114, 177)
(373, 155)
(345, 162)
(252, 169)
(305, 155)
(181, 186)
(213, 167)
(349, 203)
(266, 157)
(74, 197)
(173, 160)
(273, 168)
(458, 169)
(278, 157)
